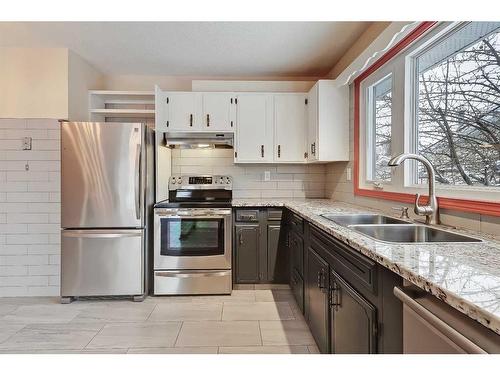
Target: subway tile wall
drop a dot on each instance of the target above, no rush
(287, 181)
(29, 208)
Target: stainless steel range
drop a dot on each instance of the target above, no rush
(192, 240)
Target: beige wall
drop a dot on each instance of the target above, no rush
(45, 83)
(82, 77)
(337, 187)
(34, 83)
(182, 83)
(358, 47)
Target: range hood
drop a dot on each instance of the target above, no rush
(198, 140)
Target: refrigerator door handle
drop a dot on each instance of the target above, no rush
(138, 182)
(102, 233)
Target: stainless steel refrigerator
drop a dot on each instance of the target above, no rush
(107, 193)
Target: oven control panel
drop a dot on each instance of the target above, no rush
(177, 182)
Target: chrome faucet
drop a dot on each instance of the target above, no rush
(431, 209)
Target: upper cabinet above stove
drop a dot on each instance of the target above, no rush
(269, 127)
(193, 111)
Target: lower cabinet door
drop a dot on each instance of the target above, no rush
(297, 286)
(317, 294)
(353, 320)
(297, 252)
(247, 253)
(276, 257)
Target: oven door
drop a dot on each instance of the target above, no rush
(190, 239)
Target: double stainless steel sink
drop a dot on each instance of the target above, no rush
(389, 229)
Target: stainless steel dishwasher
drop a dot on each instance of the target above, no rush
(430, 326)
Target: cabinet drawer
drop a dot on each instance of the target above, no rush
(297, 223)
(274, 214)
(247, 215)
(354, 267)
(297, 286)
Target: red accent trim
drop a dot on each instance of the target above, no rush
(481, 207)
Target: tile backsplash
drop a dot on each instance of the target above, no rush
(29, 208)
(286, 181)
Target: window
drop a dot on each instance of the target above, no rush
(458, 99)
(435, 93)
(379, 130)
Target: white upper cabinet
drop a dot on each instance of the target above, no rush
(290, 128)
(254, 131)
(177, 111)
(312, 124)
(268, 127)
(218, 111)
(182, 111)
(328, 122)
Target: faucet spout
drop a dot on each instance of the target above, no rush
(430, 211)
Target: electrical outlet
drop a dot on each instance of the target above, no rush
(267, 175)
(348, 174)
(27, 143)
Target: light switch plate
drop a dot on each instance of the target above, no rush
(348, 174)
(267, 175)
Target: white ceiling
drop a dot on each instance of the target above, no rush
(195, 48)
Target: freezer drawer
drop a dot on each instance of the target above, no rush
(192, 282)
(102, 262)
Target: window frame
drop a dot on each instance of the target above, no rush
(402, 187)
(370, 129)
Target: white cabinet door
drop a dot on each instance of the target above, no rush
(290, 127)
(218, 112)
(254, 130)
(182, 111)
(312, 124)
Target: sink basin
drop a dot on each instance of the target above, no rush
(357, 219)
(410, 234)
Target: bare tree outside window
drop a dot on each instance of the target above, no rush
(459, 115)
(381, 130)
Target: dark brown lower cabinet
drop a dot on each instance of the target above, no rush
(317, 310)
(277, 257)
(353, 328)
(247, 253)
(260, 254)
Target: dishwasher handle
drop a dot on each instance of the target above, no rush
(437, 323)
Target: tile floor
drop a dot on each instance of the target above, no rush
(254, 319)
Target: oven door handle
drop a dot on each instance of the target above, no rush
(193, 216)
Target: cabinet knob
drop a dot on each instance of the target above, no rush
(279, 151)
(262, 150)
(208, 119)
(191, 119)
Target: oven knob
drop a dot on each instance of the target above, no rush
(179, 181)
(228, 181)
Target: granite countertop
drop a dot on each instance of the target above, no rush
(464, 275)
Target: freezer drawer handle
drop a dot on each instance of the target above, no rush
(440, 325)
(138, 182)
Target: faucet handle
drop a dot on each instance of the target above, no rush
(422, 210)
(403, 210)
